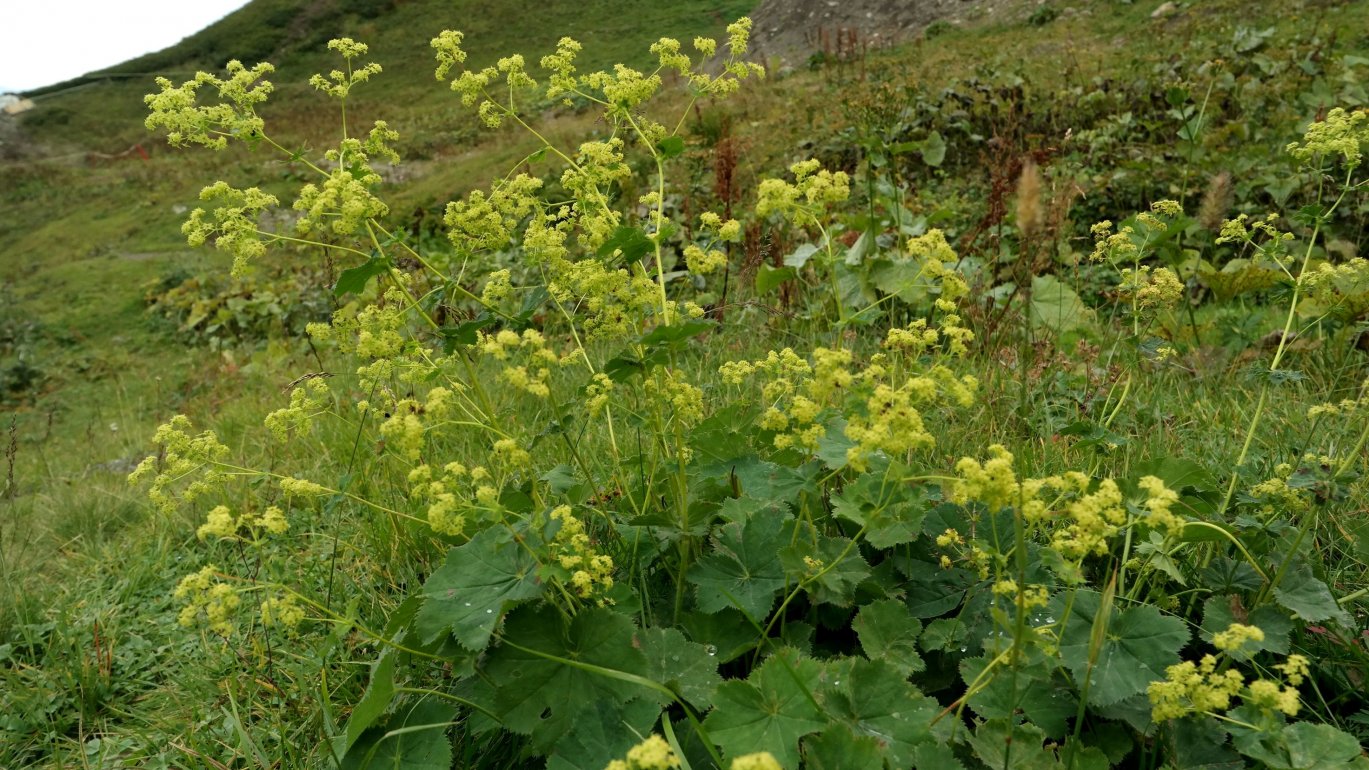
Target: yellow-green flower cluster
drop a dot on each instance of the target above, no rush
(1339, 290)
(1238, 231)
(488, 222)
(1190, 688)
(597, 393)
(207, 599)
(1080, 521)
(457, 493)
(591, 572)
(1345, 408)
(611, 302)
(1032, 597)
(1236, 636)
(653, 753)
(220, 523)
(992, 482)
(1160, 499)
(1112, 246)
(338, 83)
(761, 760)
(1341, 133)
(1199, 688)
(282, 611)
(528, 357)
(302, 488)
(344, 202)
(232, 224)
(404, 430)
(307, 400)
(187, 467)
(176, 109)
(813, 190)
(685, 401)
(1151, 288)
(918, 338)
(1275, 494)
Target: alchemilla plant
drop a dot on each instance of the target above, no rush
(607, 543)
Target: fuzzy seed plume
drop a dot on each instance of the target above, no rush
(1216, 202)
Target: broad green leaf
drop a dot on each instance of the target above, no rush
(933, 149)
(632, 242)
(414, 739)
(687, 668)
(769, 278)
(725, 634)
(546, 672)
(891, 511)
(837, 748)
(1032, 691)
(1178, 474)
(602, 733)
(944, 634)
(670, 146)
(999, 743)
(1308, 597)
(743, 568)
(937, 755)
(676, 334)
(1138, 645)
(889, 633)
(1219, 612)
(1304, 746)
(770, 711)
(834, 565)
(380, 690)
(480, 581)
(353, 280)
(1199, 743)
(800, 256)
(767, 481)
(1055, 306)
(905, 279)
(874, 699)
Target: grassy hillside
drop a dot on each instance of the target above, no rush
(1119, 108)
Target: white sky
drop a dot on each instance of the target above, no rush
(48, 41)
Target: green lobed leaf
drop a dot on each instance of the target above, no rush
(1055, 306)
(1138, 645)
(632, 242)
(743, 568)
(380, 690)
(888, 632)
(999, 743)
(770, 711)
(414, 739)
(353, 280)
(602, 733)
(837, 748)
(1304, 746)
(770, 278)
(544, 673)
(874, 699)
(1219, 612)
(481, 580)
(687, 668)
(670, 146)
(841, 567)
(1308, 597)
(892, 512)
